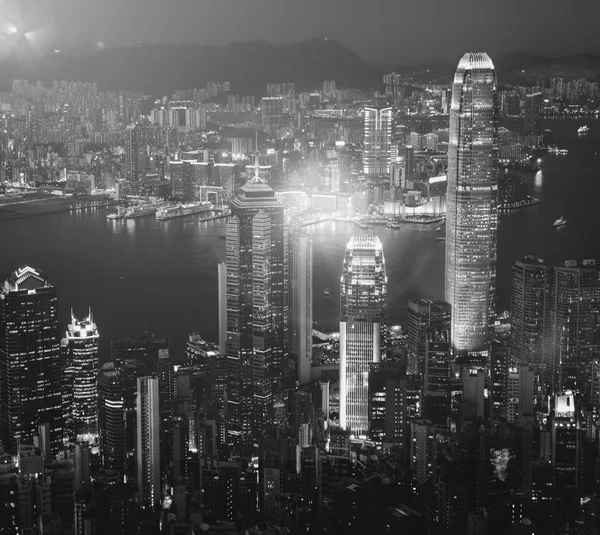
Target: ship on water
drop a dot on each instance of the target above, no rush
(583, 129)
(561, 221)
(140, 211)
(119, 215)
(181, 210)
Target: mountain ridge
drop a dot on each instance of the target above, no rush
(160, 69)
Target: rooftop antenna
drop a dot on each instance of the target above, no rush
(256, 179)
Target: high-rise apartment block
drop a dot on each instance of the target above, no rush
(472, 218)
(363, 314)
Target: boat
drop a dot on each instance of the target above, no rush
(560, 222)
(440, 238)
(119, 215)
(181, 210)
(583, 129)
(393, 225)
(326, 291)
(140, 211)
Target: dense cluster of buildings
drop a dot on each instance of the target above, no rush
(474, 422)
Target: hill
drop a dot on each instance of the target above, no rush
(160, 69)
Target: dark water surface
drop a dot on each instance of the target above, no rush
(162, 276)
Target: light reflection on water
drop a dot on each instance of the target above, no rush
(170, 267)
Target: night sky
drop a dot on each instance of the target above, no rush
(383, 31)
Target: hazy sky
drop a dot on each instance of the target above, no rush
(379, 30)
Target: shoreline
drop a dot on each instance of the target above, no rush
(29, 208)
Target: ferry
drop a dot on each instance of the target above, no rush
(393, 225)
(181, 210)
(326, 291)
(119, 215)
(140, 211)
(561, 221)
(583, 129)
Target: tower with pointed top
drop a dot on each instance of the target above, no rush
(81, 373)
(256, 299)
(472, 217)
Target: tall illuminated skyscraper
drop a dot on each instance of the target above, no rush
(301, 303)
(256, 302)
(82, 369)
(148, 442)
(30, 366)
(377, 142)
(472, 219)
(363, 313)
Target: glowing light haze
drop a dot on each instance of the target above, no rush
(382, 30)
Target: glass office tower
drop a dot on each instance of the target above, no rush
(30, 360)
(363, 312)
(377, 141)
(256, 301)
(472, 219)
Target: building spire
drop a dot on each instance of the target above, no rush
(256, 179)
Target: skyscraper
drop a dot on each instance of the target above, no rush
(387, 406)
(30, 367)
(111, 414)
(363, 314)
(148, 442)
(534, 114)
(301, 302)
(575, 322)
(530, 311)
(82, 364)
(256, 301)
(471, 220)
(428, 320)
(377, 141)
(271, 112)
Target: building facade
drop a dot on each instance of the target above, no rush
(530, 312)
(30, 360)
(148, 442)
(256, 302)
(377, 141)
(472, 219)
(301, 303)
(575, 323)
(82, 340)
(363, 315)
